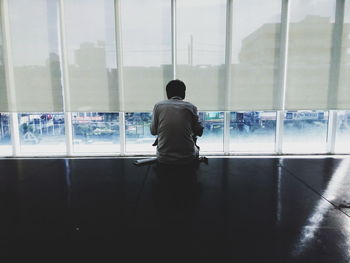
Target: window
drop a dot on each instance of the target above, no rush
(138, 135)
(95, 132)
(5, 134)
(146, 42)
(342, 143)
(309, 54)
(252, 131)
(201, 51)
(119, 55)
(305, 131)
(212, 139)
(255, 54)
(90, 37)
(33, 27)
(42, 133)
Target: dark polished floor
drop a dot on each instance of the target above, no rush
(231, 210)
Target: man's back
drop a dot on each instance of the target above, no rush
(175, 122)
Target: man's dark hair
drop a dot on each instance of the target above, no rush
(176, 88)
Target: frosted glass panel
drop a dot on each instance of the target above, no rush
(309, 54)
(91, 55)
(35, 53)
(201, 51)
(343, 95)
(255, 55)
(146, 30)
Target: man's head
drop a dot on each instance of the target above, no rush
(176, 88)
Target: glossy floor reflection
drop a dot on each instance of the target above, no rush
(231, 210)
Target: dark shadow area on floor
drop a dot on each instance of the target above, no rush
(231, 210)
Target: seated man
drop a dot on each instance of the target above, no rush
(176, 123)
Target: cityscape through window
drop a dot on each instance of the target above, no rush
(95, 132)
(305, 132)
(252, 131)
(42, 133)
(5, 134)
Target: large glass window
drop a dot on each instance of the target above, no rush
(305, 131)
(146, 41)
(95, 132)
(138, 135)
(212, 139)
(42, 133)
(201, 51)
(228, 59)
(5, 134)
(252, 131)
(342, 143)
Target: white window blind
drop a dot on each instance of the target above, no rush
(255, 55)
(146, 51)
(309, 54)
(34, 44)
(318, 55)
(91, 51)
(201, 51)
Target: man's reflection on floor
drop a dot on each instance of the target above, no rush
(176, 192)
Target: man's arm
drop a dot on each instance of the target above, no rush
(197, 127)
(154, 123)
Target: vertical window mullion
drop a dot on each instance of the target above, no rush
(173, 38)
(122, 135)
(119, 59)
(282, 78)
(228, 61)
(65, 79)
(15, 134)
(337, 35)
(227, 118)
(331, 131)
(10, 81)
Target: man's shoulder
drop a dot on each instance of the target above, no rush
(161, 102)
(175, 102)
